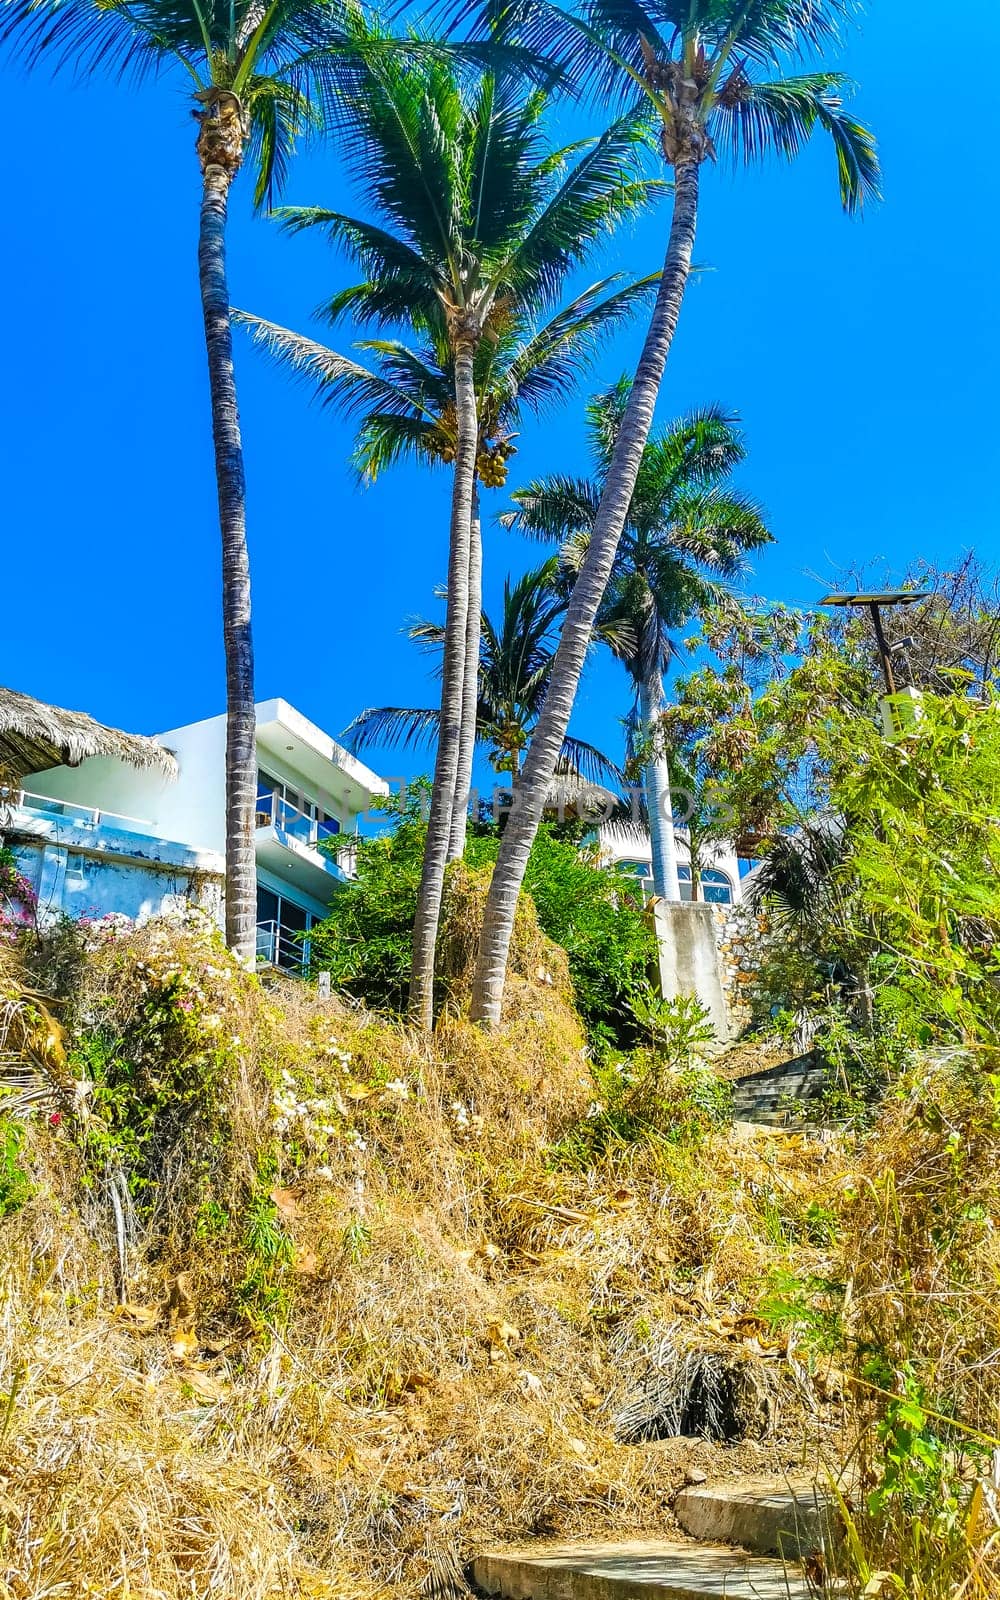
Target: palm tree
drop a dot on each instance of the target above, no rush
(685, 529)
(515, 659)
(257, 74)
(405, 404)
(702, 67)
(474, 214)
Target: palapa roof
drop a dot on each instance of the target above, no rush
(570, 792)
(34, 736)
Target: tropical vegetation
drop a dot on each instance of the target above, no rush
(515, 658)
(477, 225)
(258, 79)
(686, 532)
(703, 70)
(317, 1293)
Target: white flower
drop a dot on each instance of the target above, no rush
(399, 1087)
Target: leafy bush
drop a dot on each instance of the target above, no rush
(922, 1326)
(663, 1092)
(15, 1185)
(365, 942)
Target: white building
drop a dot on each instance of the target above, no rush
(103, 836)
(627, 846)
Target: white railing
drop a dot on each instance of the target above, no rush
(274, 812)
(80, 816)
(279, 947)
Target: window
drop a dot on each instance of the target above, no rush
(281, 925)
(716, 887)
(640, 869)
(286, 807)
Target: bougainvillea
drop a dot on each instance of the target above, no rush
(18, 899)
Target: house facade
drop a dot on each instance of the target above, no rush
(627, 846)
(102, 837)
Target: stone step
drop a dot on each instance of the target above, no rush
(769, 1095)
(638, 1570)
(782, 1519)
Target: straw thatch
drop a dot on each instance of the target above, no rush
(570, 794)
(34, 736)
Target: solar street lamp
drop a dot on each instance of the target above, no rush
(874, 603)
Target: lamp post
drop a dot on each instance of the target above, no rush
(874, 603)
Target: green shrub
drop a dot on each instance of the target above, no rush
(365, 942)
(16, 1187)
(664, 1092)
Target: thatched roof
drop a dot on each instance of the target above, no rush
(34, 736)
(573, 795)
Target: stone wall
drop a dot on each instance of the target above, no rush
(739, 932)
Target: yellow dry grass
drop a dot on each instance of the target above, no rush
(442, 1366)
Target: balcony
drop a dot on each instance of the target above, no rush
(288, 841)
(281, 947)
(67, 811)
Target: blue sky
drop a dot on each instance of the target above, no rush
(860, 355)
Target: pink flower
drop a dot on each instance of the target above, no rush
(55, 1119)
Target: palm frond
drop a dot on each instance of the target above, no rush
(406, 727)
(603, 188)
(548, 367)
(757, 119)
(553, 508)
(335, 379)
(592, 764)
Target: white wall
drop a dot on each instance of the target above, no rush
(190, 810)
(633, 844)
(71, 883)
(109, 784)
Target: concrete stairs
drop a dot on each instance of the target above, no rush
(770, 1097)
(746, 1542)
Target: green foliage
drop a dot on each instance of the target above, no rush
(611, 948)
(263, 1293)
(677, 1028)
(156, 1048)
(809, 1304)
(282, 64)
(16, 1187)
(515, 663)
(861, 1062)
(924, 862)
(365, 942)
(880, 855)
(663, 1092)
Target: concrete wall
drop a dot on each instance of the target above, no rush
(73, 884)
(689, 959)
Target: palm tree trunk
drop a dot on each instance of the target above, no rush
(470, 687)
(241, 724)
(588, 591)
(659, 801)
(425, 927)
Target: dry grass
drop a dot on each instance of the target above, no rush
(923, 1259)
(457, 1321)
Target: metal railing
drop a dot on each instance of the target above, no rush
(281, 947)
(80, 816)
(274, 812)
